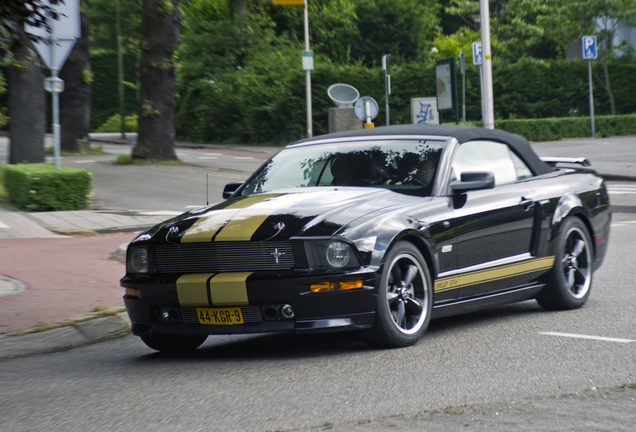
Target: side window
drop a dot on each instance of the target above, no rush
(523, 172)
(497, 158)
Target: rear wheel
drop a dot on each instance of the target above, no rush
(173, 343)
(405, 299)
(571, 277)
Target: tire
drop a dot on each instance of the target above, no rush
(174, 343)
(570, 279)
(404, 300)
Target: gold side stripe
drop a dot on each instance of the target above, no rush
(210, 289)
(204, 229)
(482, 276)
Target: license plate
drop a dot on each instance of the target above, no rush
(220, 316)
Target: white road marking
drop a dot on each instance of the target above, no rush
(213, 154)
(3, 225)
(243, 157)
(160, 213)
(578, 336)
(621, 189)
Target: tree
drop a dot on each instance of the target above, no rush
(402, 29)
(14, 14)
(569, 21)
(160, 37)
(26, 104)
(75, 100)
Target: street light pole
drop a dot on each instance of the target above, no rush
(310, 132)
(489, 115)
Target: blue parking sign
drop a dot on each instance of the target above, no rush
(589, 47)
(477, 54)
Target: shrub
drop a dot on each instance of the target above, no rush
(113, 124)
(41, 187)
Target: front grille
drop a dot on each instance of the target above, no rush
(251, 314)
(223, 257)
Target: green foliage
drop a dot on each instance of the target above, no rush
(552, 129)
(113, 124)
(4, 119)
(41, 187)
(265, 102)
(102, 16)
(401, 29)
(105, 100)
(124, 159)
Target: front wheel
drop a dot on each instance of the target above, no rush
(571, 277)
(174, 343)
(405, 299)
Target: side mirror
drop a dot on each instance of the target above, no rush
(230, 188)
(473, 181)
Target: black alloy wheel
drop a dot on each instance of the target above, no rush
(571, 277)
(405, 299)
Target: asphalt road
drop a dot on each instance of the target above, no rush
(511, 368)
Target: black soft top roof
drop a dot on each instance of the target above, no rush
(519, 144)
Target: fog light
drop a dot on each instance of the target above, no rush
(287, 311)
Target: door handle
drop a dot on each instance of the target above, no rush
(526, 203)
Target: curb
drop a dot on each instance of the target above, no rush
(63, 335)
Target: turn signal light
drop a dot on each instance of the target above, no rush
(334, 286)
(133, 293)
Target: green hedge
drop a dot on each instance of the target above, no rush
(41, 187)
(267, 105)
(552, 129)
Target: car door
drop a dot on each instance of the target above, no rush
(494, 228)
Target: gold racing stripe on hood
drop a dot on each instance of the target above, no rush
(204, 229)
(192, 289)
(229, 289)
(212, 289)
(497, 273)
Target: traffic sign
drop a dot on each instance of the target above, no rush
(477, 56)
(53, 85)
(308, 60)
(64, 31)
(589, 47)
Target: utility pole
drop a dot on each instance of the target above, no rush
(489, 108)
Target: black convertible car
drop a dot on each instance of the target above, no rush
(376, 231)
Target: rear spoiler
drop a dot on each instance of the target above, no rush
(553, 161)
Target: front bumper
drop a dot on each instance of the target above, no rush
(154, 307)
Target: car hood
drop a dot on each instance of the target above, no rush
(278, 216)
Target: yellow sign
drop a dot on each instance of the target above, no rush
(289, 2)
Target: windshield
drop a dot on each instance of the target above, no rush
(406, 166)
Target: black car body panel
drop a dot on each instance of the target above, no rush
(260, 251)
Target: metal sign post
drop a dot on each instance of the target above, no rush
(308, 59)
(386, 65)
(590, 53)
(64, 31)
(462, 62)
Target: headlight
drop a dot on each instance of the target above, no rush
(137, 260)
(330, 254)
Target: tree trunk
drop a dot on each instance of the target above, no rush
(75, 100)
(27, 107)
(160, 36)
